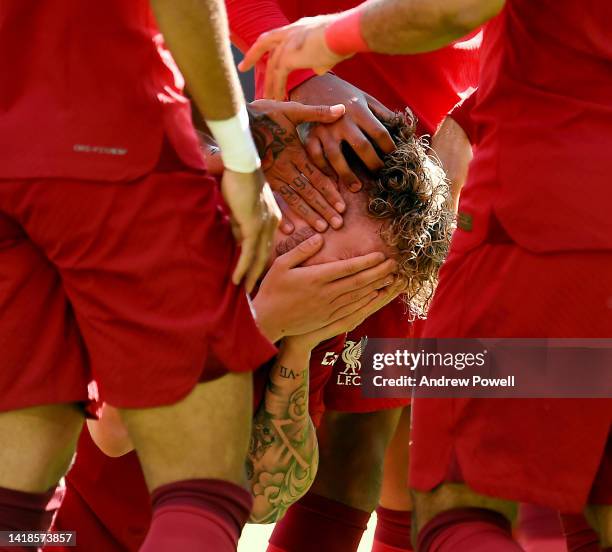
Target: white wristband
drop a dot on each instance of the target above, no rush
(233, 136)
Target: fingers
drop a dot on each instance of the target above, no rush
(381, 111)
(248, 248)
(299, 206)
(263, 44)
(357, 312)
(287, 225)
(378, 134)
(315, 152)
(299, 113)
(363, 147)
(364, 278)
(384, 297)
(350, 321)
(332, 150)
(301, 253)
(310, 194)
(274, 72)
(265, 236)
(328, 189)
(335, 270)
(355, 306)
(260, 258)
(356, 294)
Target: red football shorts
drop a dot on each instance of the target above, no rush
(106, 499)
(127, 283)
(543, 451)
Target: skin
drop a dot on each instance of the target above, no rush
(283, 449)
(283, 454)
(454, 151)
(387, 26)
(371, 439)
(308, 191)
(359, 235)
(351, 454)
(360, 128)
(325, 293)
(351, 446)
(407, 27)
(395, 494)
(43, 438)
(172, 446)
(42, 442)
(198, 37)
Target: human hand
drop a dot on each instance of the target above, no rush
(254, 216)
(361, 121)
(299, 45)
(351, 320)
(295, 300)
(306, 190)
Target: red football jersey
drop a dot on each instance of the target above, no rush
(431, 83)
(543, 116)
(89, 91)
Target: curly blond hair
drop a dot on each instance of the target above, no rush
(411, 194)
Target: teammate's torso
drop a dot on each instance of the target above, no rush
(543, 118)
(89, 91)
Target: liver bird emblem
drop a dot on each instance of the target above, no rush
(352, 353)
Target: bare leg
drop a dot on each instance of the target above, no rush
(351, 454)
(38, 444)
(204, 436)
(395, 494)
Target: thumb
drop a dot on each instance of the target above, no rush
(302, 252)
(299, 113)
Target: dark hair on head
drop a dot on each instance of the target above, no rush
(411, 195)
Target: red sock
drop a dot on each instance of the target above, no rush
(321, 524)
(467, 530)
(197, 514)
(579, 535)
(21, 511)
(393, 530)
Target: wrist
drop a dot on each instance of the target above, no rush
(300, 344)
(234, 137)
(343, 36)
(266, 321)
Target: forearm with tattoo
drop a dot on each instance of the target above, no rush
(283, 453)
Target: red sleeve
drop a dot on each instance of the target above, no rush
(250, 18)
(462, 115)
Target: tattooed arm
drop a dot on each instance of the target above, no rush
(290, 172)
(283, 454)
(312, 195)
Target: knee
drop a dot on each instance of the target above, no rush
(205, 435)
(351, 456)
(450, 496)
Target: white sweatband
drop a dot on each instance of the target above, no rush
(233, 136)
